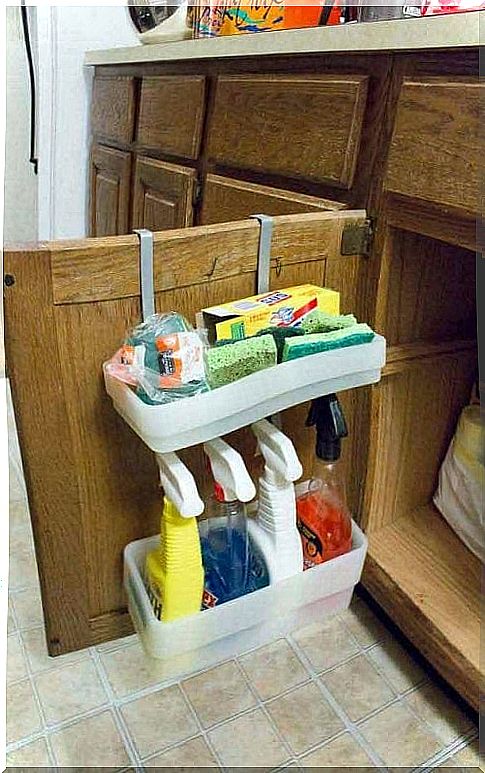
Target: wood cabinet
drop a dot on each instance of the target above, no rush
(393, 134)
(163, 195)
(171, 114)
(225, 199)
(302, 126)
(110, 191)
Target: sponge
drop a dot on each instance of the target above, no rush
(225, 364)
(319, 322)
(322, 342)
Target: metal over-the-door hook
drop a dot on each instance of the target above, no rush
(264, 251)
(146, 272)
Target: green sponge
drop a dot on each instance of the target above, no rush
(319, 322)
(225, 364)
(322, 342)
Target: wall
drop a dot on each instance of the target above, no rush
(65, 33)
(20, 208)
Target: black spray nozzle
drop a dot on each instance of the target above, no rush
(327, 416)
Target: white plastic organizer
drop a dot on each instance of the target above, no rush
(206, 638)
(193, 420)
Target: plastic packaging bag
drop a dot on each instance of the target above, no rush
(459, 497)
(163, 358)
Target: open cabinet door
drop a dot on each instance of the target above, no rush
(92, 484)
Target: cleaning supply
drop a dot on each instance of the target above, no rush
(225, 364)
(280, 308)
(233, 565)
(174, 576)
(323, 342)
(323, 517)
(274, 530)
(319, 322)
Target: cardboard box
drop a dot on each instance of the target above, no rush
(281, 308)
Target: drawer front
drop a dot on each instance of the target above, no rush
(110, 191)
(163, 195)
(113, 108)
(171, 114)
(225, 200)
(435, 144)
(297, 126)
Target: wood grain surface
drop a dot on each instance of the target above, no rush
(162, 195)
(110, 191)
(303, 126)
(113, 108)
(171, 114)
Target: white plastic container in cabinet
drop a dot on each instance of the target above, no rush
(207, 638)
(195, 420)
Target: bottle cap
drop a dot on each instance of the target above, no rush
(327, 416)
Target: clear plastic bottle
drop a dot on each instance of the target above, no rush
(323, 516)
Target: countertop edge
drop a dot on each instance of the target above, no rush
(439, 32)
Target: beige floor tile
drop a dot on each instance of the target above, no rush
(304, 718)
(18, 516)
(23, 717)
(192, 754)
(248, 741)
(159, 720)
(326, 644)
(92, 742)
(439, 711)
(364, 624)
(219, 693)
(116, 644)
(358, 688)
(343, 752)
(129, 670)
(16, 487)
(273, 669)
(70, 690)
(399, 738)
(16, 667)
(28, 608)
(399, 667)
(22, 569)
(33, 755)
(38, 657)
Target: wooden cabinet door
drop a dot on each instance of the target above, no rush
(113, 108)
(110, 191)
(163, 195)
(225, 199)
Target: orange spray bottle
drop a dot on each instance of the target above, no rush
(323, 517)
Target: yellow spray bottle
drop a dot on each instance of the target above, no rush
(174, 575)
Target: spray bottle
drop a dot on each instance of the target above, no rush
(323, 517)
(274, 530)
(232, 567)
(174, 576)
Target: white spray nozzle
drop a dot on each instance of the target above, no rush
(179, 485)
(278, 451)
(229, 471)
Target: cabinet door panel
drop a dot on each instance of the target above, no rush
(110, 191)
(225, 199)
(436, 144)
(171, 114)
(113, 108)
(163, 195)
(302, 126)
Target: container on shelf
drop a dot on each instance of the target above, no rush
(193, 420)
(208, 637)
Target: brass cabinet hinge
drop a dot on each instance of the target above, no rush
(197, 195)
(357, 239)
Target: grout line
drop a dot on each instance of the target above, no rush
(205, 733)
(450, 750)
(116, 712)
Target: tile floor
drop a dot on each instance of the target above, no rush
(343, 693)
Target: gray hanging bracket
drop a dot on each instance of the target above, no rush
(264, 252)
(146, 272)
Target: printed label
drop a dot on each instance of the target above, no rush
(312, 545)
(277, 297)
(208, 599)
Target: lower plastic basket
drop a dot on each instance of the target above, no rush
(201, 640)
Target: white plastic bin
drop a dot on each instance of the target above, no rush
(201, 640)
(195, 420)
